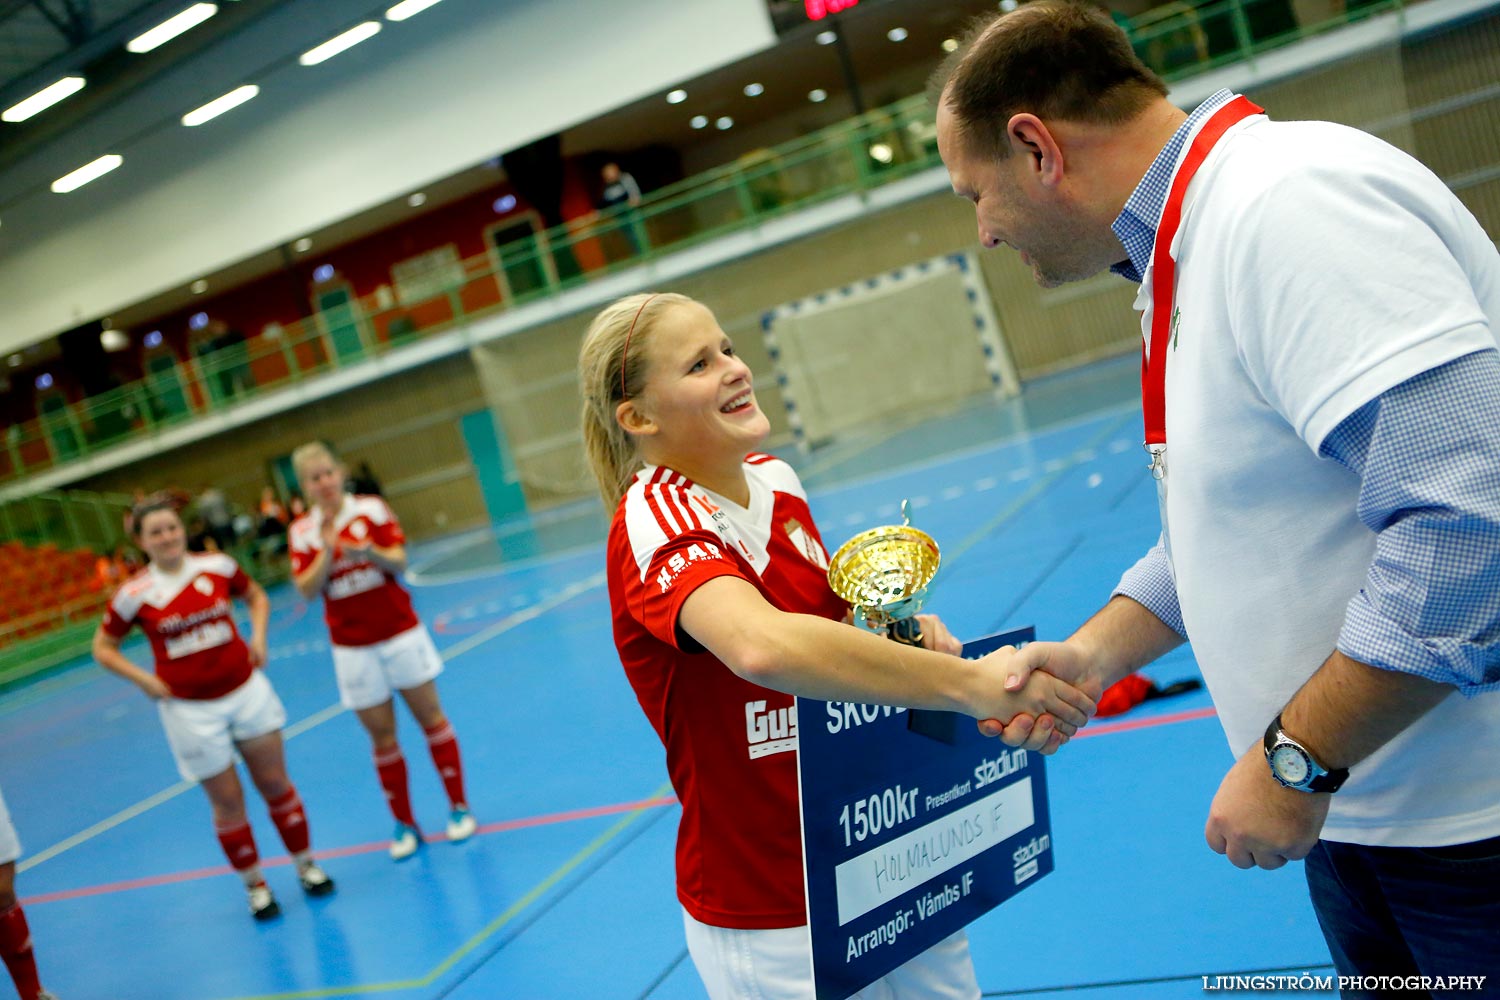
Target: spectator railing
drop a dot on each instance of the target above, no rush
(850, 157)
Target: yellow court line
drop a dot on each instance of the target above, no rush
(511, 912)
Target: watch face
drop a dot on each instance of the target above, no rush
(1289, 763)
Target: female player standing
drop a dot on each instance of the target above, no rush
(212, 698)
(15, 936)
(722, 612)
(350, 549)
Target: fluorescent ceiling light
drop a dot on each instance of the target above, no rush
(339, 43)
(754, 90)
(896, 34)
(699, 121)
(826, 38)
(724, 123)
(172, 27)
(950, 44)
(408, 8)
(303, 245)
(677, 96)
(817, 96)
(87, 172)
(417, 199)
(218, 106)
(43, 99)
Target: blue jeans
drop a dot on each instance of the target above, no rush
(1409, 911)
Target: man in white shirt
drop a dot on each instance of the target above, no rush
(1322, 402)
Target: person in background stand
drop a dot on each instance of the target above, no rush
(620, 188)
(350, 550)
(15, 936)
(212, 697)
(1321, 389)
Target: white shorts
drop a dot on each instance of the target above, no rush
(775, 965)
(203, 733)
(368, 675)
(10, 844)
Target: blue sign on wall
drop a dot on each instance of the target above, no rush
(913, 825)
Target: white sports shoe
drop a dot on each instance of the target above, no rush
(46, 995)
(263, 905)
(404, 842)
(461, 825)
(315, 881)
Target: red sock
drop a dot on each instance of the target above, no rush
(239, 846)
(291, 822)
(391, 767)
(443, 743)
(15, 948)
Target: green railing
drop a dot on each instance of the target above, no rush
(851, 157)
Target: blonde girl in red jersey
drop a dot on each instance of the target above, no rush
(212, 698)
(722, 612)
(350, 549)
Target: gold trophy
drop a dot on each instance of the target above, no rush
(884, 573)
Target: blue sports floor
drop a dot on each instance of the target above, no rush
(1039, 504)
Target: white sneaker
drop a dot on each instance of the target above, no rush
(404, 842)
(46, 995)
(263, 905)
(315, 881)
(461, 825)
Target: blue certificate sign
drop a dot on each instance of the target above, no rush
(913, 825)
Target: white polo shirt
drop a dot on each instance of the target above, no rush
(1317, 267)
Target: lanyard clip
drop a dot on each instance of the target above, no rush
(1158, 464)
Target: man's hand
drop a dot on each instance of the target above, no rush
(1255, 821)
(1063, 660)
(153, 686)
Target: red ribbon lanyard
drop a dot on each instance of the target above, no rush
(1163, 278)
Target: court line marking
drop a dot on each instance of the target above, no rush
(192, 875)
(316, 719)
(486, 932)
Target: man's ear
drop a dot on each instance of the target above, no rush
(635, 421)
(1030, 137)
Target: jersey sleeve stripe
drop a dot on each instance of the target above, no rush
(653, 501)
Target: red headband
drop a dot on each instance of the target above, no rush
(625, 354)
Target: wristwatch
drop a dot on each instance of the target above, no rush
(1293, 766)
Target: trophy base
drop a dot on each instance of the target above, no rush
(940, 726)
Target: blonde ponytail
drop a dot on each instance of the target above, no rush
(607, 376)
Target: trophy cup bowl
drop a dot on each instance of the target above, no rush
(883, 574)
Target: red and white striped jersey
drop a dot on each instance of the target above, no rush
(731, 745)
(362, 603)
(188, 616)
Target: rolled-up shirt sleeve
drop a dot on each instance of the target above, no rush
(1149, 582)
(1427, 453)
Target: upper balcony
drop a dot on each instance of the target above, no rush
(441, 303)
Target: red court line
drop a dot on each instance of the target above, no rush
(344, 852)
(527, 821)
(1146, 723)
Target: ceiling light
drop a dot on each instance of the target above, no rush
(504, 203)
(416, 200)
(677, 97)
(172, 27)
(88, 172)
(408, 8)
(817, 96)
(698, 121)
(723, 123)
(43, 99)
(339, 43)
(218, 106)
(950, 44)
(15, 360)
(197, 321)
(199, 287)
(303, 245)
(881, 153)
(44, 380)
(152, 339)
(113, 340)
(1008, 5)
(322, 273)
(754, 90)
(896, 34)
(826, 37)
